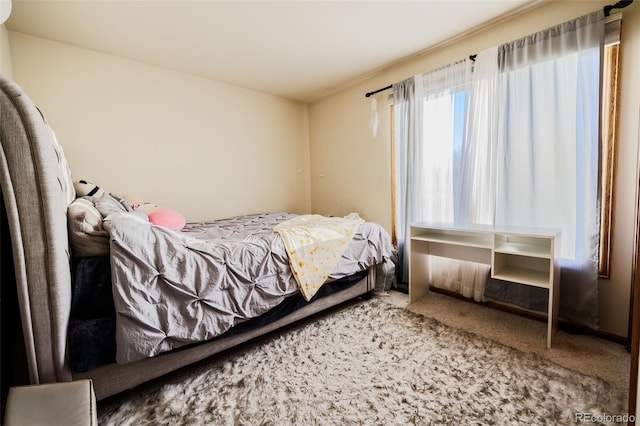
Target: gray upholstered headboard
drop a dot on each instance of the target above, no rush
(37, 188)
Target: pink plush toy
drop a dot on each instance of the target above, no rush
(161, 216)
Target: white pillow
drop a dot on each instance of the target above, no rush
(86, 234)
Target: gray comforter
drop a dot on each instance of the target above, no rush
(174, 288)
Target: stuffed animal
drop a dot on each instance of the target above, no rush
(83, 188)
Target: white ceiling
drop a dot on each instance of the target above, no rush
(301, 50)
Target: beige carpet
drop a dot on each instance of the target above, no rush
(586, 354)
(368, 363)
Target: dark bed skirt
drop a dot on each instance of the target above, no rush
(92, 322)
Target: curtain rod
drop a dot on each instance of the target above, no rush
(368, 94)
(607, 10)
(377, 91)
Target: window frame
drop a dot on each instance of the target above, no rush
(609, 140)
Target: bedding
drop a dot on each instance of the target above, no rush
(172, 289)
(37, 190)
(92, 335)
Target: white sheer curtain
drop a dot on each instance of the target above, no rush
(512, 142)
(425, 108)
(548, 142)
(444, 103)
(479, 150)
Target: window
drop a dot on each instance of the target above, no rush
(607, 158)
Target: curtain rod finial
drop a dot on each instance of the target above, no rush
(619, 5)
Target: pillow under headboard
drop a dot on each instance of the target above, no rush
(87, 236)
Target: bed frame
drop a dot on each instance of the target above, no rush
(35, 189)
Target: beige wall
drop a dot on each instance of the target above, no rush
(207, 149)
(350, 169)
(5, 52)
(214, 150)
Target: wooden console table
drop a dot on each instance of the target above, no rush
(524, 256)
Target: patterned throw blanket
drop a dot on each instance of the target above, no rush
(315, 244)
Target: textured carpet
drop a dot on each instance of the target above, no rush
(369, 363)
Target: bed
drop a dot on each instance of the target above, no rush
(54, 309)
